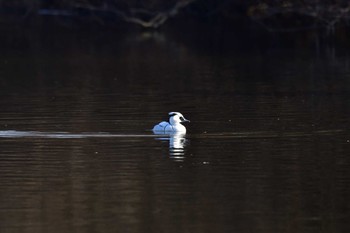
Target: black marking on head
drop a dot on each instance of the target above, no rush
(174, 114)
(182, 119)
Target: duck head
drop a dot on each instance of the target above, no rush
(176, 118)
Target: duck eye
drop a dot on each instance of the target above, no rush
(182, 119)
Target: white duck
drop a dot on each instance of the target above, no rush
(173, 126)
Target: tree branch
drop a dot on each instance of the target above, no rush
(135, 16)
(324, 16)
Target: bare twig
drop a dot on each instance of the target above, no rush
(155, 20)
(326, 16)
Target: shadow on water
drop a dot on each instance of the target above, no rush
(266, 151)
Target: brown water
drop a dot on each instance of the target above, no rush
(267, 149)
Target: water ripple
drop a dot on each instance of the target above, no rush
(38, 134)
(238, 135)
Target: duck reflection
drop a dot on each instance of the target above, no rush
(177, 144)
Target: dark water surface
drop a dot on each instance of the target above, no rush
(267, 149)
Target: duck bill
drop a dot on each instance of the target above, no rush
(185, 120)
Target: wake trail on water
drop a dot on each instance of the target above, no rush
(39, 134)
(233, 135)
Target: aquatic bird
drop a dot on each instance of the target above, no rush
(173, 126)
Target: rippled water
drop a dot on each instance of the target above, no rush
(267, 149)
